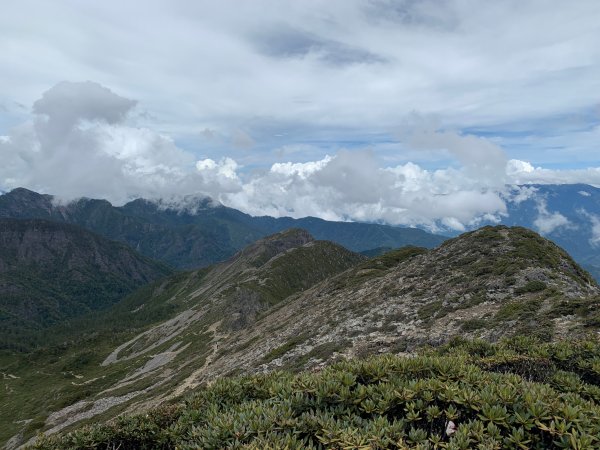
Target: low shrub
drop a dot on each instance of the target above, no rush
(510, 395)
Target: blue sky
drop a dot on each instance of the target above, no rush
(251, 102)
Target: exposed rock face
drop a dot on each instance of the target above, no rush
(51, 271)
(210, 306)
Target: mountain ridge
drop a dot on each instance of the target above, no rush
(195, 231)
(200, 234)
(51, 271)
(239, 317)
(114, 352)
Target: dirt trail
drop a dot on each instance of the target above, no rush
(192, 380)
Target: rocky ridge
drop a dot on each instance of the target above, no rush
(163, 360)
(488, 284)
(290, 302)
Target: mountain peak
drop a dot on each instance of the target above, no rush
(264, 249)
(510, 250)
(23, 191)
(187, 204)
(24, 203)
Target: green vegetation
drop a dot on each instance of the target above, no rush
(51, 377)
(473, 324)
(378, 266)
(438, 308)
(299, 269)
(202, 233)
(283, 349)
(52, 272)
(394, 257)
(516, 394)
(429, 310)
(586, 308)
(526, 247)
(531, 286)
(251, 313)
(520, 309)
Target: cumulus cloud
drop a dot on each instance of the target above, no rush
(523, 172)
(547, 222)
(351, 185)
(79, 144)
(82, 141)
(594, 227)
(518, 194)
(482, 159)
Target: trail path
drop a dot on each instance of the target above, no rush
(192, 380)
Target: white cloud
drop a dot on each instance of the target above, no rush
(523, 172)
(94, 149)
(548, 222)
(325, 72)
(482, 159)
(595, 227)
(595, 239)
(351, 185)
(302, 170)
(515, 167)
(518, 194)
(584, 193)
(79, 144)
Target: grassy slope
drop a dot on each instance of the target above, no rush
(524, 248)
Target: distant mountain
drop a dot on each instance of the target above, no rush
(52, 271)
(198, 232)
(568, 214)
(180, 240)
(290, 302)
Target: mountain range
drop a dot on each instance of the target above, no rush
(198, 232)
(568, 214)
(50, 272)
(291, 302)
(110, 311)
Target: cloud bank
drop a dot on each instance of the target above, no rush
(82, 141)
(222, 78)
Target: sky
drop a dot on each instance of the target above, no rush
(405, 112)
